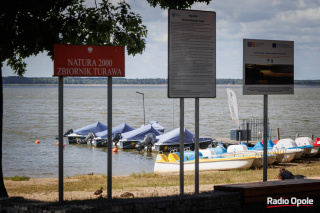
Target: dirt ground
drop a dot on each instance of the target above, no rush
(116, 193)
(80, 195)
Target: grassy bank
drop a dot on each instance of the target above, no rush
(90, 183)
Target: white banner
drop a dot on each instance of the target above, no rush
(233, 106)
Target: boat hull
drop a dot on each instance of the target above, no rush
(298, 154)
(258, 157)
(176, 147)
(288, 157)
(279, 158)
(127, 144)
(98, 142)
(258, 161)
(205, 165)
(73, 138)
(312, 151)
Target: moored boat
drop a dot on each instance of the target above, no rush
(171, 141)
(317, 143)
(130, 139)
(83, 132)
(101, 138)
(257, 154)
(279, 154)
(307, 144)
(292, 151)
(214, 163)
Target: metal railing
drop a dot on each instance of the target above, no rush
(256, 127)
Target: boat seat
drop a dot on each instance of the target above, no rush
(162, 158)
(173, 157)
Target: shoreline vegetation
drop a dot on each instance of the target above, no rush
(82, 187)
(14, 80)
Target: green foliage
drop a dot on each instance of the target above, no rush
(31, 27)
(177, 4)
(17, 178)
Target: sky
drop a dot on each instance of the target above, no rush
(289, 20)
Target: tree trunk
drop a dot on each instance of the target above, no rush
(3, 191)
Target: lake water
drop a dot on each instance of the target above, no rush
(31, 113)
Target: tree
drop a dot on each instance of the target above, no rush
(31, 27)
(176, 4)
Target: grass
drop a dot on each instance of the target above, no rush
(17, 178)
(308, 167)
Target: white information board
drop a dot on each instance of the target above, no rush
(268, 67)
(192, 54)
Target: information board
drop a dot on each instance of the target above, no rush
(192, 54)
(89, 60)
(268, 67)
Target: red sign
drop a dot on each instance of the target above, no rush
(89, 60)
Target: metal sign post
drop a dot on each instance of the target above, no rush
(60, 139)
(191, 67)
(196, 149)
(265, 137)
(268, 69)
(109, 175)
(87, 61)
(181, 146)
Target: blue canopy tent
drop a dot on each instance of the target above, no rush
(96, 127)
(157, 126)
(138, 134)
(121, 128)
(171, 140)
(174, 137)
(131, 139)
(82, 133)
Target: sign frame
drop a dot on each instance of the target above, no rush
(191, 54)
(268, 67)
(89, 60)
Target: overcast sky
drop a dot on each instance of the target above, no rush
(293, 20)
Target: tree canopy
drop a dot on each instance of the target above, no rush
(176, 4)
(30, 27)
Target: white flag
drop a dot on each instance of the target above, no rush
(233, 106)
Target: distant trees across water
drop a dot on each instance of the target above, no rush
(77, 80)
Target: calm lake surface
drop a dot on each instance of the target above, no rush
(31, 113)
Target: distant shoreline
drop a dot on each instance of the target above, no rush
(140, 85)
(16, 80)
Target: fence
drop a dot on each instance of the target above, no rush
(256, 127)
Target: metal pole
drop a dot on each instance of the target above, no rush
(144, 112)
(196, 185)
(181, 146)
(109, 138)
(172, 113)
(247, 133)
(265, 137)
(61, 139)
